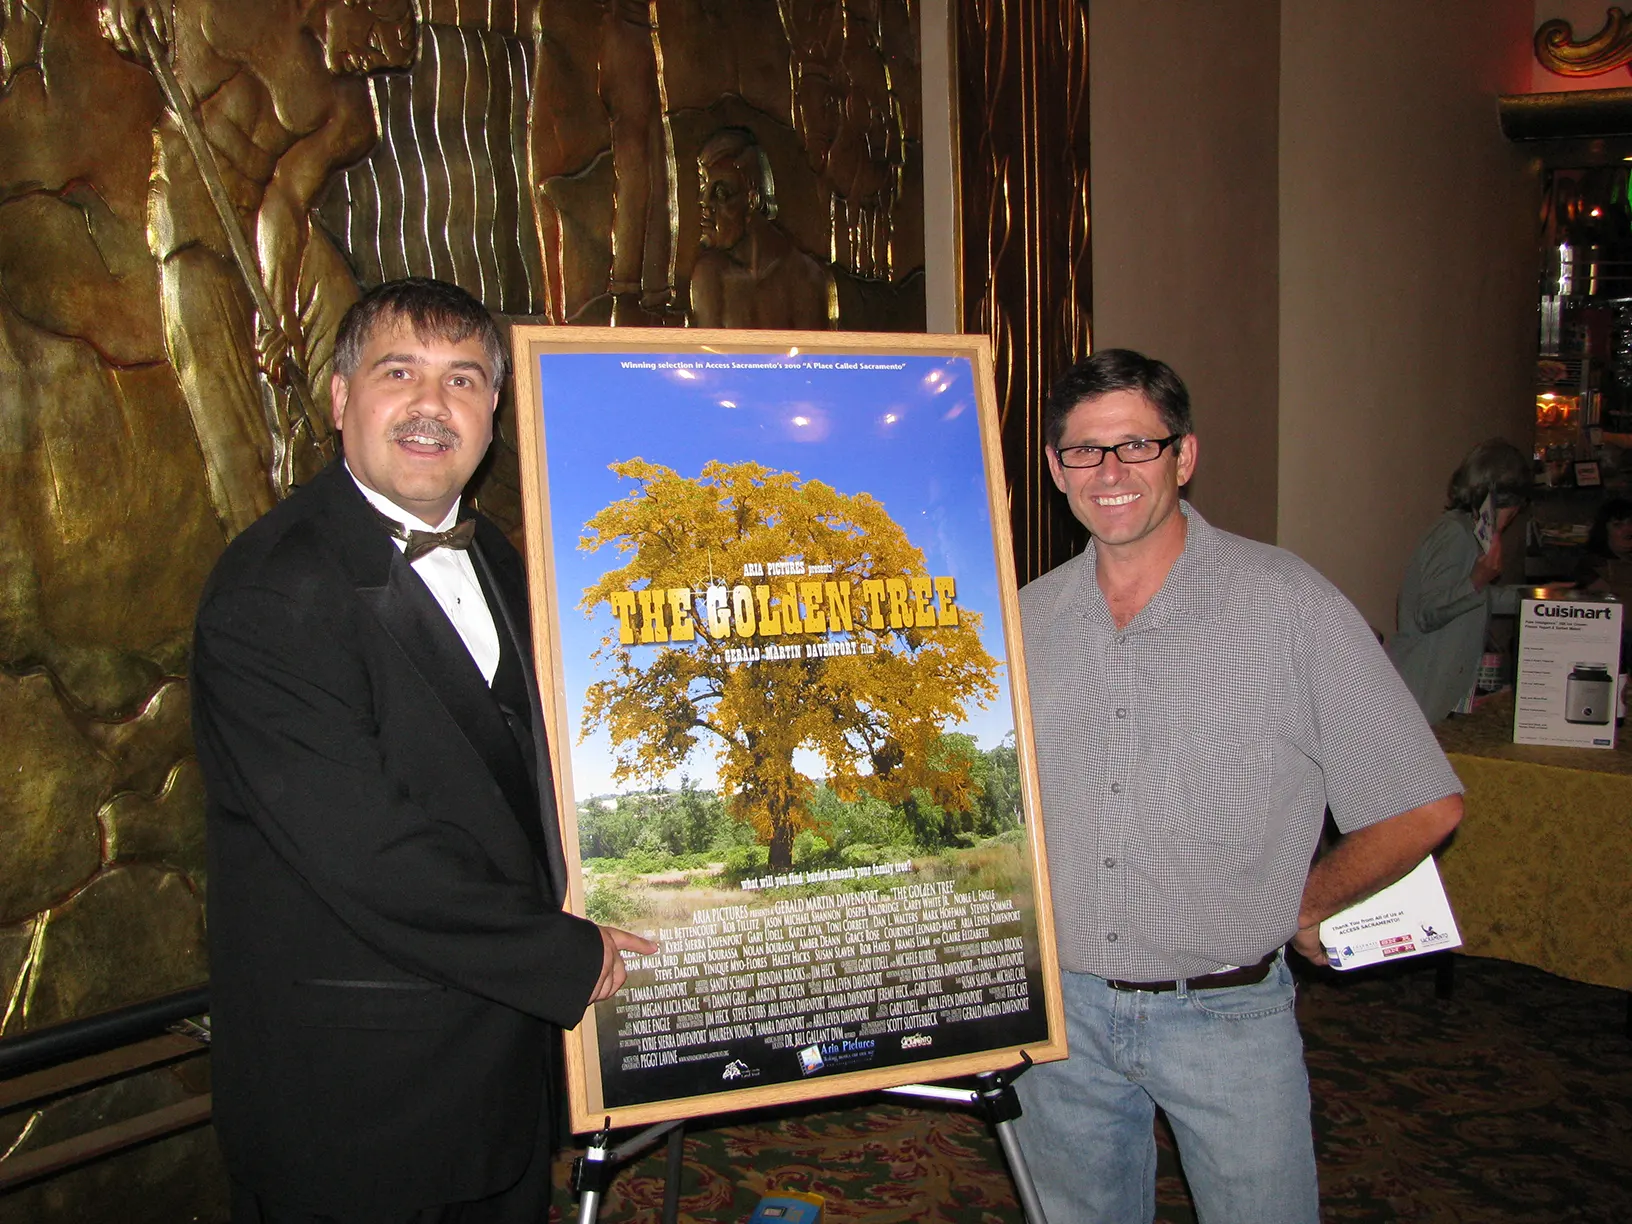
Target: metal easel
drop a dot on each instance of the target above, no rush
(592, 1172)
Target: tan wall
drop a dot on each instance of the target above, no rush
(1183, 114)
(1408, 272)
(1310, 211)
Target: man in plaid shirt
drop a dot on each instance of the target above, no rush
(1199, 701)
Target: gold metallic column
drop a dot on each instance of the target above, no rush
(1023, 168)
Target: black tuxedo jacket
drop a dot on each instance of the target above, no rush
(389, 959)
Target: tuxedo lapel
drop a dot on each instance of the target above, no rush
(427, 640)
(409, 612)
(508, 602)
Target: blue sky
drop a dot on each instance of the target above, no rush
(909, 435)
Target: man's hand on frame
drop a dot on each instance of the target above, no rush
(614, 943)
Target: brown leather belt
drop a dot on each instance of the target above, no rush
(1247, 975)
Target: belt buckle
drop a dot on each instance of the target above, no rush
(1127, 987)
(1242, 975)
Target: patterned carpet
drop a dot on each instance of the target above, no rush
(1509, 1103)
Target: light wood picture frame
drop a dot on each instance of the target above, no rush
(778, 644)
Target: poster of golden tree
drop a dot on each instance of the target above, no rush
(780, 654)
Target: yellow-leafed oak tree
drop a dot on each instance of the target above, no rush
(727, 627)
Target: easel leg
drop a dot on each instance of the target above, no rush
(1021, 1172)
(1002, 1106)
(676, 1169)
(592, 1172)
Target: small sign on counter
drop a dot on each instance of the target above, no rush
(1409, 917)
(1569, 657)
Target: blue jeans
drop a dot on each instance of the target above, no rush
(1227, 1068)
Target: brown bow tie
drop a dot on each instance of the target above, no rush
(421, 542)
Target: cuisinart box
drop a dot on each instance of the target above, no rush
(1569, 656)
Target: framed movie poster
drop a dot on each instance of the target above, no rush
(774, 611)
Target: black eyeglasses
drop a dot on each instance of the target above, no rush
(1140, 450)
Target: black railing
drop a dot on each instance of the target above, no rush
(92, 1035)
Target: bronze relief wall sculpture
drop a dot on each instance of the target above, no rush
(546, 155)
(193, 190)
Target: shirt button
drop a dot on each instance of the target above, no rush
(1110, 862)
(1122, 712)
(1111, 938)
(1116, 788)
(1119, 639)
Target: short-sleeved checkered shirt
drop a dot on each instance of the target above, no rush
(1187, 759)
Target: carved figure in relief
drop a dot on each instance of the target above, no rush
(642, 159)
(848, 116)
(598, 84)
(282, 104)
(750, 273)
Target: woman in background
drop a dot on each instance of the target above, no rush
(1607, 567)
(1450, 590)
(1608, 563)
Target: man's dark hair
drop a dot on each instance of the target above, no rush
(1496, 469)
(1114, 370)
(435, 310)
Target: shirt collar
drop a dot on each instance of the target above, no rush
(393, 511)
(1189, 591)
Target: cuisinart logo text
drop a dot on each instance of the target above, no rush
(1571, 611)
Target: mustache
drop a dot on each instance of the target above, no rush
(424, 427)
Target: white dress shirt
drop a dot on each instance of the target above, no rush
(451, 575)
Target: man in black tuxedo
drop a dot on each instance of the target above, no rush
(390, 961)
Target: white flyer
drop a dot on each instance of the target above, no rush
(1409, 917)
(1484, 525)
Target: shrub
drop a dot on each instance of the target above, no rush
(741, 862)
(810, 852)
(643, 859)
(866, 855)
(611, 905)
